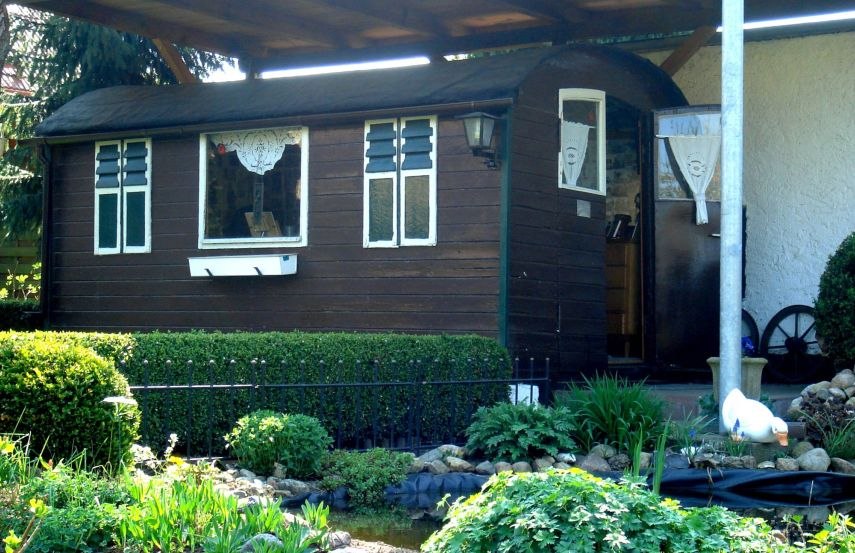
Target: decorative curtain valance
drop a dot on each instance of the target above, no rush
(258, 151)
(697, 157)
(574, 144)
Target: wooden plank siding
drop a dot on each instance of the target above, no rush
(556, 292)
(451, 287)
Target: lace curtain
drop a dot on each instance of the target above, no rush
(258, 151)
(697, 157)
(574, 144)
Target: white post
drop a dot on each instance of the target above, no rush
(731, 199)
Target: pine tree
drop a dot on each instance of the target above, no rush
(61, 59)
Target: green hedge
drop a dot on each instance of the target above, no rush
(18, 314)
(160, 358)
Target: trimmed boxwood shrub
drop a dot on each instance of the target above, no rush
(561, 511)
(835, 304)
(247, 358)
(54, 390)
(264, 438)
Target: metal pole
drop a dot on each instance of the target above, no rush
(731, 199)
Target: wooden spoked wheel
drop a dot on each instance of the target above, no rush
(791, 345)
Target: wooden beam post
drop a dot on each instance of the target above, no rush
(689, 48)
(175, 62)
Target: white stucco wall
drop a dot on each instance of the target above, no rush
(799, 165)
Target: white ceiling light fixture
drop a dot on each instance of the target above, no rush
(801, 20)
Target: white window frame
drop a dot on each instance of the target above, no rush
(393, 175)
(121, 201)
(399, 187)
(265, 242)
(599, 97)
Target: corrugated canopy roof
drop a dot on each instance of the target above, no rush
(135, 108)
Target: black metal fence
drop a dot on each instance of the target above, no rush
(413, 412)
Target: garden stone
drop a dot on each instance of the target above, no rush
(594, 463)
(837, 394)
(676, 461)
(850, 391)
(521, 466)
(706, 461)
(568, 458)
(416, 466)
(452, 450)
(560, 466)
(824, 394)
(620, 462)
(296, 487)
(843, 379)
(502, 466)
(795, 408)
(279, 471)
(801, 448)
(431, 456)
(644, 460)
(248, 474)
(437, 467)
(456, 464)
(338, 539)
(842, 466)
(765, 465)
(823, 385)
(786, 463)
(604, 451)
(262, 540)
(485, 468)
(732, 462)
(749, 462)
(815, 460)
(850, 402)
(543, 463)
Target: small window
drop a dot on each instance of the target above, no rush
(123, 196)
(581, 156)
(253, 189)
(400, 183)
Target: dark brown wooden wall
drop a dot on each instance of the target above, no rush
(339, 285)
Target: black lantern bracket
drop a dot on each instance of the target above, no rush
(479, 128)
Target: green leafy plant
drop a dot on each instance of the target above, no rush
(610, 410)
(561, 511)
(686, 434)
(55, 392)
(835, 304)
(23, 285)
(513, 432)
(265, 437)
(365, 474)
(837, 434)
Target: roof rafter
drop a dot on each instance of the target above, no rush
(559, 12)
(399, 14)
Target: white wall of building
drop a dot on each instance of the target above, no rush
(799, 165)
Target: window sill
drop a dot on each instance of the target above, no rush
(243, 265)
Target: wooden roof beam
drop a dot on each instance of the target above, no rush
(175, 62)
(399, 14)
(126, 22)
(559, 12)
(687, 49)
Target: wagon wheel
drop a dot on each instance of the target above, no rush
(790, 344)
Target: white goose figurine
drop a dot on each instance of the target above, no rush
(747, 419)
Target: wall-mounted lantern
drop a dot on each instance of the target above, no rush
(479, 127)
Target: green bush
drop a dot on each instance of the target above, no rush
(609, 410)
(511, 432)
(573, 511)
(365, 474)
(55, 391)
(262, 438)
(835, 304)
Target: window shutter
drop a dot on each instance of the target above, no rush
(418, 146)
(107, 171)
(135, 169)
(382, 151)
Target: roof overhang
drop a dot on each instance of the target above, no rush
(268, 34)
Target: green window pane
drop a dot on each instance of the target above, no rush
(380, 210)
(108, 205)
(135, 219)
(417, 207)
